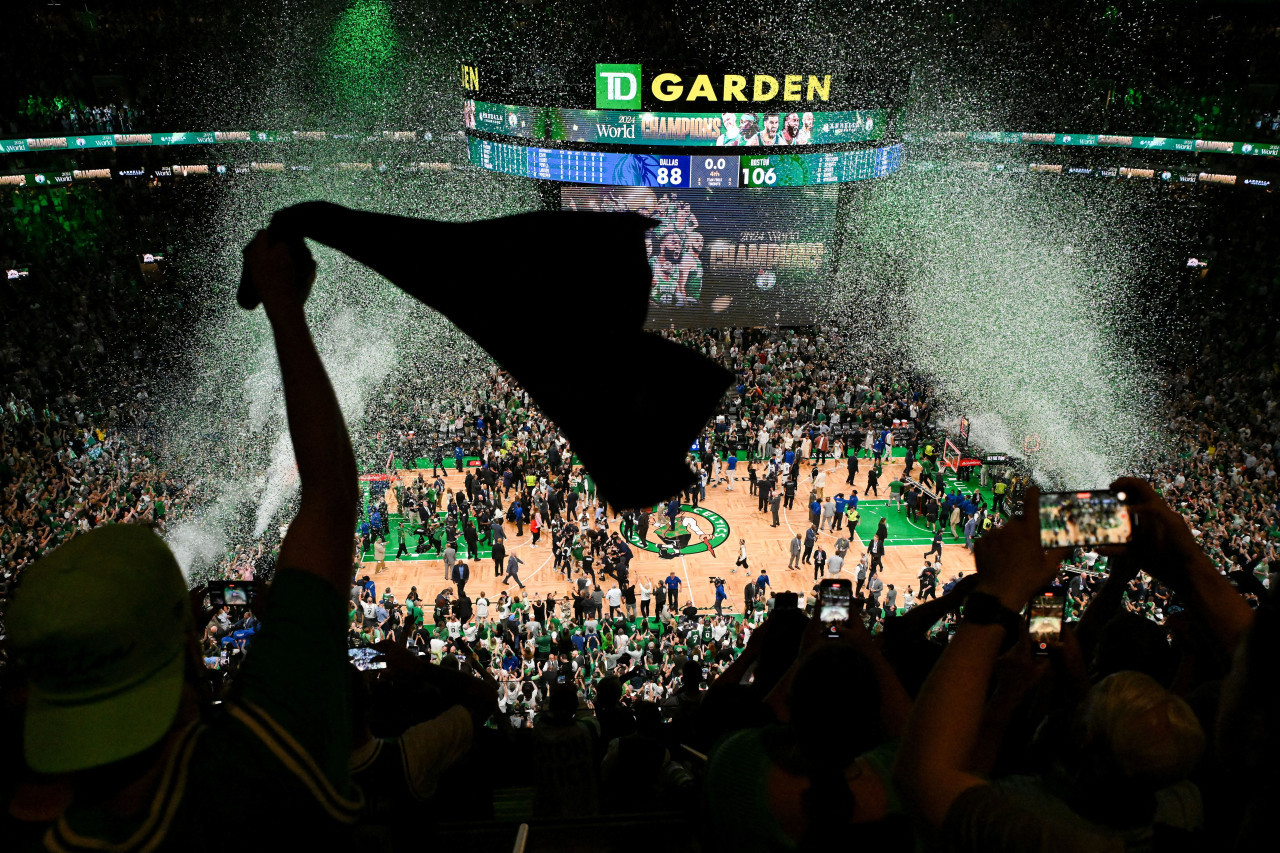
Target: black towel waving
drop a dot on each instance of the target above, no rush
(516, 282)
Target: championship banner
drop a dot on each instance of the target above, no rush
(722, 129)
(527, 122)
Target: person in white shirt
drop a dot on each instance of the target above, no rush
(482, 608)
(646, 594)
(454, 627)
(691, 523)
(614, 597)
(908, 600)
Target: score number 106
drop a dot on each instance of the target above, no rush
(759, 176)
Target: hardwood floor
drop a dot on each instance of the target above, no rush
(767, 548)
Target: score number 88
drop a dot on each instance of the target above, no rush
(669, 176)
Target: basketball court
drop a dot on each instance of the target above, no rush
(725, 517)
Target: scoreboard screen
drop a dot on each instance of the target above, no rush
(595, 167)
(712, 170)
(745, 257)
(721, 130)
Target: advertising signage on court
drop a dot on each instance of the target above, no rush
(630, 87)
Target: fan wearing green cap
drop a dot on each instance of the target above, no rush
(102, 630)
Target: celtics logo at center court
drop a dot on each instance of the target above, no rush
(694, 527)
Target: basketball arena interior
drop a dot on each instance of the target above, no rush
(910, 484)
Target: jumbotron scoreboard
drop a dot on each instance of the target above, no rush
(744, 174)
(685, 171)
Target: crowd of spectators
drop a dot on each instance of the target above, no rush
(690, 710)
(1147, 79)
(88, 340)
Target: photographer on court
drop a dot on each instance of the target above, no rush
(115, 684)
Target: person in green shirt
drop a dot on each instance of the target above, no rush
(895, 494)
(413, 614)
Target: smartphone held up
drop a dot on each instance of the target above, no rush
(1093, 518)
(1044, 620)
(835, 603)
(234, 593)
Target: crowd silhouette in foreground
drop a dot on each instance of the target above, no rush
(1138, 732)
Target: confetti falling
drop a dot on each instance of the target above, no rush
(1015, 297)
(224, 423)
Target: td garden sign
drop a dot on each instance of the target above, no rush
(625, 87)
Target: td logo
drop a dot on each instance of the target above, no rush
(617, 87)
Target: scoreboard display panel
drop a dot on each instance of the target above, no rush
(742, 256)
(712, 170)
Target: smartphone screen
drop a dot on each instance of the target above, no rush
(1044, 621)
(236, 594)
(835, 603)
(362, 658)
(837, 599)
(1068, 519)
(223, 593)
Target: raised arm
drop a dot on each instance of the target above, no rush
(947, 716)
(318, 540)
(1170, 553)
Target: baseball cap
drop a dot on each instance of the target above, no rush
(100, 625)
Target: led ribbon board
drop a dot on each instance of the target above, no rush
(720, 130)
(683, 171)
